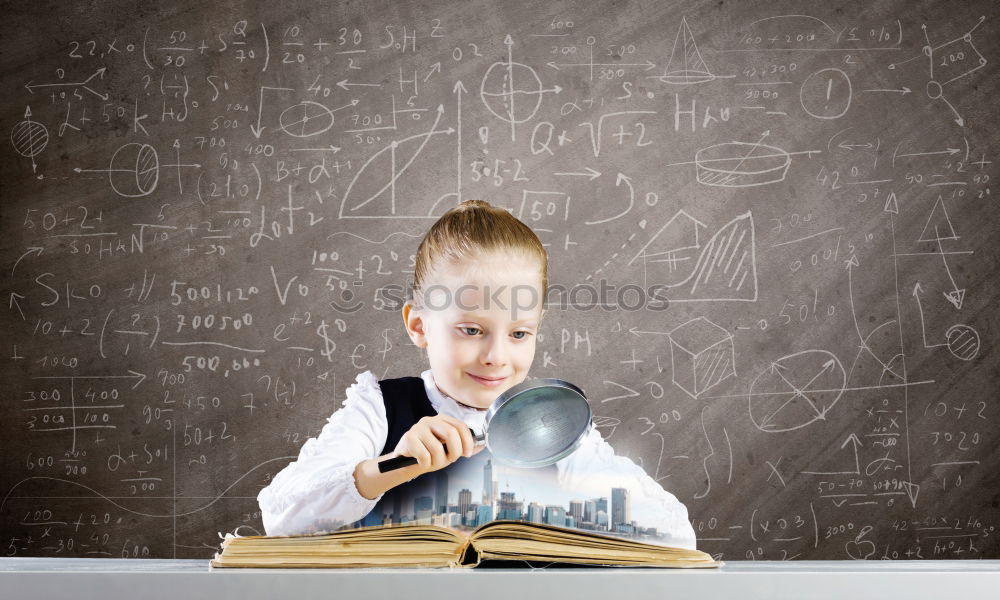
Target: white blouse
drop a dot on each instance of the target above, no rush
(319, 488)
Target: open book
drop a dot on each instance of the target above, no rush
(437, 546)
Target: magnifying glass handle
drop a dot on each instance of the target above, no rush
(398, 462)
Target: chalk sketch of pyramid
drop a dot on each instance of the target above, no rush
(686, 66)
(725, 270)
(938, 226)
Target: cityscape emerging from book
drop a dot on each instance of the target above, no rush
(462, 513)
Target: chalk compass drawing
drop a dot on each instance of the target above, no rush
(506, 83)
(796, 390)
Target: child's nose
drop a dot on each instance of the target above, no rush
(495, 352)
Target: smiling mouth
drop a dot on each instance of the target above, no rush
(489, 382)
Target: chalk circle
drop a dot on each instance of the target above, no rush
(504, 85)
(306, 119)
(934, 90)
(826, 94)
(741, 164)
(963, 341)
(796, 390)
(29, 138)
(134, 170)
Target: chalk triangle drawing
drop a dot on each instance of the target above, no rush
(891, 204)
(686, 66)
(956, 297)
(938, 226)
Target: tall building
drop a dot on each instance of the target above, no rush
(536, 513)
(424, 507)
(484, 514)
(576, 509)
(471, 515)
(602, 504)
(464, 503)
(621, 510)
(440, 491)
(489, 485)
(555, 515)
(590, 511)
(509, 507)
(602, 520)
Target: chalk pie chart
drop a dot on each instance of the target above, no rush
(741, 164)
(796, 390)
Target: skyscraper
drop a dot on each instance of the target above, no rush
(621, 510)
(489, 486)
(590, 511)
(484, 514)
(602, 504)
(440, 491)
(509, 507)
(536, 513)
(576, 510)
(424, 507)
(464, 502)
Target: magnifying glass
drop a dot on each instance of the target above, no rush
(533, 424)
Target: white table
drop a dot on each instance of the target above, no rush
(114, 579)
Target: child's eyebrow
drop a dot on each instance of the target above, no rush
(473, 317)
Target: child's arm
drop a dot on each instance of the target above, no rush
(435, 442)
(317, 492)
(593, 469)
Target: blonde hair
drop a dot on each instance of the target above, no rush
(468, 232)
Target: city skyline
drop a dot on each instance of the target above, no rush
(455, 507)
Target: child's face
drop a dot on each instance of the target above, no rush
(479, 322)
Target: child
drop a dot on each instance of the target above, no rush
(478, 291)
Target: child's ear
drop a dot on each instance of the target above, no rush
(414, 324)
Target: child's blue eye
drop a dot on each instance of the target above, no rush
(524, 332)
(473, 328)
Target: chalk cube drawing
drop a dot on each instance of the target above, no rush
(702, 355)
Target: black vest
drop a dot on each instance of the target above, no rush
(406, 402)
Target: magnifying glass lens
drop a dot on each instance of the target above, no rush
(538, 426)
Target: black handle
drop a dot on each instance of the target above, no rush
(398, 462)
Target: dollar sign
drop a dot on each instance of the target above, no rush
(387, 345)
(328, 344)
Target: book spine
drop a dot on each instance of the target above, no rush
(469, 556)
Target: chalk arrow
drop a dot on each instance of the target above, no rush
(590, 173)
(13, 302)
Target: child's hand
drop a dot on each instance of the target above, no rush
(437, 441)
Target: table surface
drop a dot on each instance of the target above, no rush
(110, 579)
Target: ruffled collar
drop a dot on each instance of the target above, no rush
(445, 404)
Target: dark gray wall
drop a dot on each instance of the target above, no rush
(194, 196)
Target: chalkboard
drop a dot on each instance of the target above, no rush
(771, 226)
